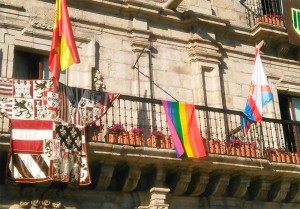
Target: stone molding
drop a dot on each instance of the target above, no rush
(139, 40)
(203, 51)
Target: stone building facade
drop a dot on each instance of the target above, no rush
(195, 51)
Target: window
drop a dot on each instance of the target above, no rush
(33, 66)
(290, 111)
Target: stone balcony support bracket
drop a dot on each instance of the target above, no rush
(294, 193)
(217, 185)
(182, 182)
(105, 177)
(238, 186)
(200, 184)
(259, 190)
(279, 191)
(132, 179)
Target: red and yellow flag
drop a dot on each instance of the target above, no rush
(63, 52)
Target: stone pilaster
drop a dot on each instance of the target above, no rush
(205, 59)
(140, 35)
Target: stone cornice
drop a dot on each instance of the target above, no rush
(275, 61)
(184, 20)
(12, 4)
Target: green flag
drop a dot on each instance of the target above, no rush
(291, 18)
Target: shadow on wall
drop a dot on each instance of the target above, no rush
(143, 120)
(1, 58)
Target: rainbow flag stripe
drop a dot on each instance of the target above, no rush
(184, 129)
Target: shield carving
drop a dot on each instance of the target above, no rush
(291, 18)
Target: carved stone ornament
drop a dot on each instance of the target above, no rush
(99, 81)
(41, 25)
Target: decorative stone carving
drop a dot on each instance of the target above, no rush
(217, 185)
(259, 190)
(181, 181)
(99, 81)
(279, 191)
(203, 51)
(198, 184)
(40, 196)
(105, 176)
(238, 186)
(41, 25)
(132, 179)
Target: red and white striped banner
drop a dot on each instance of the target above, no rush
(29, 135)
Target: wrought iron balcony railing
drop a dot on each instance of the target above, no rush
(268, 11)
(142, 122)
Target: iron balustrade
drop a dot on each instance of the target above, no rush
(142, 122)
(268, 11)
(131, 115)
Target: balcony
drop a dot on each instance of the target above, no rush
(265, 11)
(130, 150)
(141, 122)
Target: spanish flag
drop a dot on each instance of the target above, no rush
(63, 52)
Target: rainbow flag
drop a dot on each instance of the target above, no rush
(63, 52)
(184, 129)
